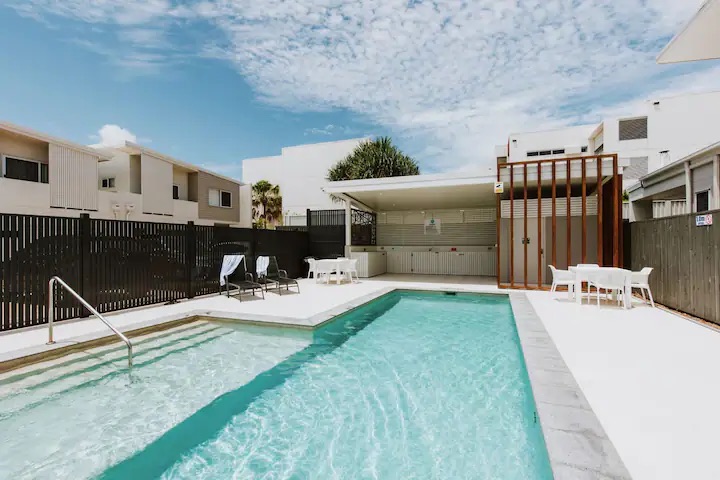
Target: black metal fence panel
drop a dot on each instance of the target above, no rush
(326, 229)
(117, 264)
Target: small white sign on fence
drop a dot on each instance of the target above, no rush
(499, 187)
(703, 220)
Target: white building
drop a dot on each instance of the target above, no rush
(662, 131)
(699, 40)
(301, 173)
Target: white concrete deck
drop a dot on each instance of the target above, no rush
(649, 376)
(651, 379)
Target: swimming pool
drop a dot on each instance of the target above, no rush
(412, 385)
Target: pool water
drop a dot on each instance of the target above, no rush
(412, 385)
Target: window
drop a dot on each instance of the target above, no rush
(219, 198)
(633, 129)
(558, 152)
(545, 152)
(584, 149)
(108, 182)
(27, 170)
(176, 192)
(226, 199)
(702, 201)
(533, 154)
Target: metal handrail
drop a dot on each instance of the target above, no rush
(51, 315)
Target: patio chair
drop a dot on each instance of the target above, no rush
(641, 280)
(352, 269)
(241, 280)
(312, 262)
(561, 278)
(609, 280)
(275, 275)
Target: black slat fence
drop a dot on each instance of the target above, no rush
(118, 264)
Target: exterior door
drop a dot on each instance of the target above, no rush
(519, 242)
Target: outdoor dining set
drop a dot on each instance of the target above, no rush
(342, 268)
(614, 283)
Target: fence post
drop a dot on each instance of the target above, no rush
(191, 258)
(86, 288)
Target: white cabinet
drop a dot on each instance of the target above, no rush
(399, 262)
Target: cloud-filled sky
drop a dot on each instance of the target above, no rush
(229, 79)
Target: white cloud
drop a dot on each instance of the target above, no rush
(113, 136)
(449, 78)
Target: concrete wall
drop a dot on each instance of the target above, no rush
(156, 181)
(566, 138)
(180, 178)
(205, 182)
(301, 173)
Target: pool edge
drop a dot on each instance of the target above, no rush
(577, 444)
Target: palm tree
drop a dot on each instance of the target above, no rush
(266, 203)
(378, 158)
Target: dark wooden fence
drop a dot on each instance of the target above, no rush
(118, 264)
(686, 262)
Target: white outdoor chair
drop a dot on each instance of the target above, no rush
(609, 280)
(561, 277)
(323, 270)
(352, 269)
(311, 267)
(641, 280)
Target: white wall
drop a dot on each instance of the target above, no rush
(682, 125)
(301, 173)
(565, 138)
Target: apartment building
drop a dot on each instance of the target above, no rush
(45, 175)
(138, 183)
(662, 131)
(301, 173)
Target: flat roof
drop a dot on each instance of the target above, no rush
(698, 40)
(134, 148)
(42, 137)
(435, 191)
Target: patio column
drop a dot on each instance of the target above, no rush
(348, 228)
(716, 183)
(688, 189)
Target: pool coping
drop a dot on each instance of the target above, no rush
(577, 444)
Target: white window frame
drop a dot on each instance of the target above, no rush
(31, 160)
(709, 195)
(219, 198)
(108, 180)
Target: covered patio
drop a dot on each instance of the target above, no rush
(425, 225)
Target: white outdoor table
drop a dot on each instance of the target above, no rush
(337, 264)
(581, 275)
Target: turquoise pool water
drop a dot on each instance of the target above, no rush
(413, 385)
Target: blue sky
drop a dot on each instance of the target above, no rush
(215, 81)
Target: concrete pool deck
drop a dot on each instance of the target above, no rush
(646, 373)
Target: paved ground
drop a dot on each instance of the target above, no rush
(649, 376)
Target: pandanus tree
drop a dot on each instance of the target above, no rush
(377, 158)
(266, 204)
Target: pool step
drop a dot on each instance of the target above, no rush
(41, 381)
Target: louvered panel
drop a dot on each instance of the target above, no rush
(480, 215)
(394, 218)
(399, 262)
(462, 234)
(560, 207)
(413, 218)
(381, 218)
(447, 216)
(73, 178)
